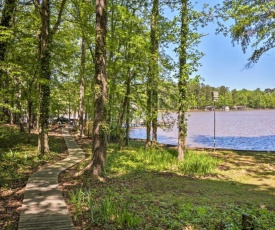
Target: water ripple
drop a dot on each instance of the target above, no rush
(244, 130)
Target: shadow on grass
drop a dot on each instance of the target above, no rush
(155, 195)
(13, 140)
(172, 188)
(127, 171)
(20, 158)
(258, 165)
(160, 198)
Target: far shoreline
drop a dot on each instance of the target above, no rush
(208, 149)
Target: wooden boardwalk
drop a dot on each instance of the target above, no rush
(43, 205)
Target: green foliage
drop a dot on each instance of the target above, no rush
(77, 198)
(5, 34)
(227, 217)
(19, 158)
(199, 96)
(198, 164)
(253, 25)
(111, 209)
(140, 159)
(144, 189)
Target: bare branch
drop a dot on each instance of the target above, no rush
(92, 51)
(37, 6)
(55, 28)
(26, 3)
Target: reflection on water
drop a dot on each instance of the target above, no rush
(241, 130)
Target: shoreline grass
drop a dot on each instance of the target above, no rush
(149, 189)
(138, 158)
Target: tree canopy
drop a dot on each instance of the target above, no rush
(253, 25)
(51, 64)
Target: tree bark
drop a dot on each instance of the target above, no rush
(183, 78)
(30, 106)
(149, 112)
(11, 111)
(99, 147)
(152, 84)
(9, 7)
(19, 107)
(5, 24)
(127, 131)
(154, 68)
(45, 75)
(81, 87)
(123, 108)
(30, 103)
(45, 71)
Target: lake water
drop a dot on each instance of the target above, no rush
(239, 130)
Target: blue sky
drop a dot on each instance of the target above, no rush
(224, 64)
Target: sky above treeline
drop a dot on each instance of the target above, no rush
(224, 64)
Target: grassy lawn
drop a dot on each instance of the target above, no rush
(18, 160)
(150, 190)
(147, 189)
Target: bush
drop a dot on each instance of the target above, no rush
(153, 159)
(109, 210)
(199, 164)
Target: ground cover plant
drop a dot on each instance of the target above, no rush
(18, 160)
(149, 189)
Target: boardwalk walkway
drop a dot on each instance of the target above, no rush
(43, 205)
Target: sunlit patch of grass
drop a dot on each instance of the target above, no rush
(19, 158)
(198, 164)
(249, 167)
(206, 191)
(159, 159)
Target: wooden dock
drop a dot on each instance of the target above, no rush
(43, 205)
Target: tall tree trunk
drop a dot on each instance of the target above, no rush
(5, 23)
(110, 111)
(81, 88)
(11, 111)
(111, 76)
(19, 107)
(30, 103)
(155, 72)
(152, 101)
(30, 106)
(87, 117)
(149, 112)
(183, 78)
(99, 147)
(123, 108)
(45, 74)
(127, 132)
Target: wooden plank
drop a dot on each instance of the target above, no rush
(43, 205)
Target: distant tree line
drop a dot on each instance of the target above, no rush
(200, 96)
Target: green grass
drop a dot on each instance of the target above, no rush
(137, 158)
(150, 189)
(18, 158)
(112, 207)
